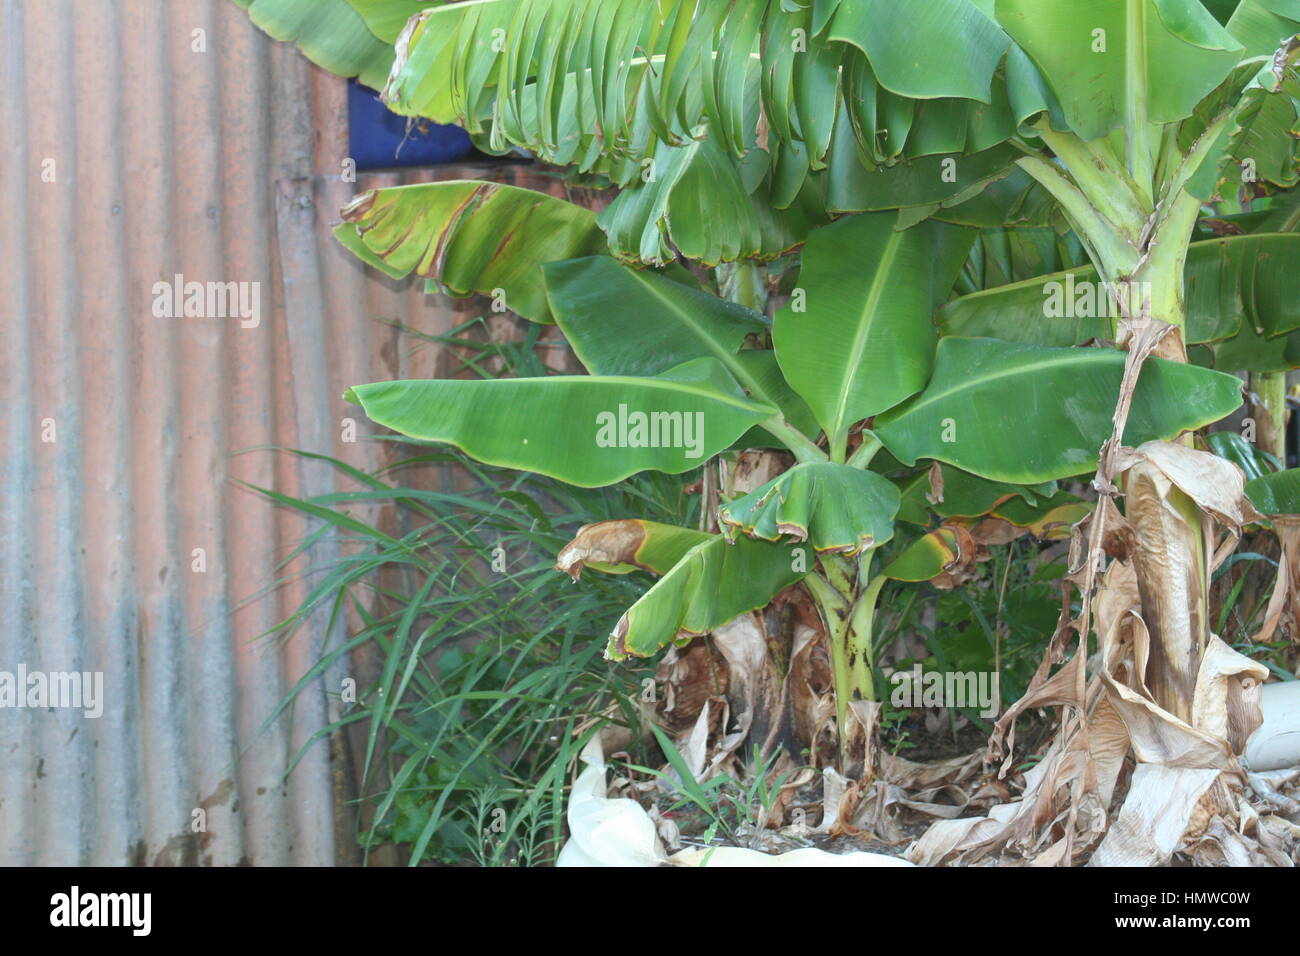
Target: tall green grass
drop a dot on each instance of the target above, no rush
(490, 660)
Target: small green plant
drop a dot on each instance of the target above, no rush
(893, 720)
(735, 810)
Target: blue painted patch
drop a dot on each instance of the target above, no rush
(378, 138)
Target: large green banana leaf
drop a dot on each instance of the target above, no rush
(715, 582)
(1259, 25)
(1025, 414)
(1277, 493)
(833, 507)
(472, 237)
(330, 33)
(387, 18)
(625, 321)
(1250, 352)
(1231, 282)
(586, 430)
(858, 340)
(1104, 57)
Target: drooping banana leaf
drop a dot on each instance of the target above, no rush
(589, 57)
(925, 558)
(626, 545)
(931, 25)
(715, 582)
(1049, 517)
(832, 507)
(627, 91)
(698, 203)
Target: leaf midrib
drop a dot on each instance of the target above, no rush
(866, 323)
(924, 400)
(742, 403)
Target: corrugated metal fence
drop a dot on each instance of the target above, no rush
(135, 150)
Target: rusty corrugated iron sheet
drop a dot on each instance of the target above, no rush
(130, 546)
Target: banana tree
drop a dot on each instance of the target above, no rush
(736, 131)
(851, 367)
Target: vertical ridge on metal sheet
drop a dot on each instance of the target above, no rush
(19, 432)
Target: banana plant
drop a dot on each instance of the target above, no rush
(851, 367)
(743, 130)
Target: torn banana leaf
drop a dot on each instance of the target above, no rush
(833, 507)
(714, 582)
(619, 547)
(472, 237)
(1262, 97)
